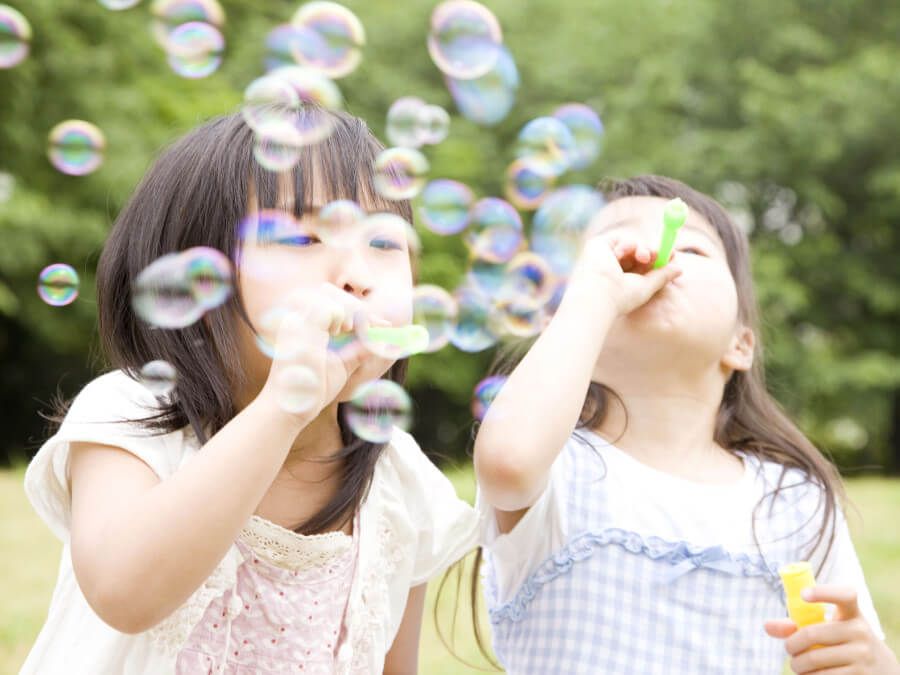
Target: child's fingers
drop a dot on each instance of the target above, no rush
(823, 634)
(842, 596)
(815, 660)
(781, 628)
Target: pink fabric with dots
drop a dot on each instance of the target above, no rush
(275, 620)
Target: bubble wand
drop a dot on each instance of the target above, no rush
(411, 339)
(674, 215)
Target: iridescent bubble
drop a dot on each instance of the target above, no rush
(159, 377)
(15, 37)
(465, 38)
(587, 130)
(119, 4)
(520, 322)
(393, 227)
(445, 206)
(297, 389)
(208, 272)
(268, 98)
(526, 288)
(76, 147)
(527, 185)
(195, 49)
(311, 85)
(475, 320)
(434, 123)
(403, 122)
(548, 143)
(58, 285)
(260, 234)
(399, 173)
(335, 222)
(484, 394)
(280, 45)
(267, 332)
(495, 230)
(277, 145)
(169, 14)
(559, 225)
(486, 276)
(375, 408)
(7, 183)
(434, 308)
(489, 98)
(331, 40)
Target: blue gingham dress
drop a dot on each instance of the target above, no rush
(619, 601)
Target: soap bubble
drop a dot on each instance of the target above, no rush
(119, 4)
(548, 144)
(399, 173)
(268, 98)
(489, 98)
(559, 224)
(58, 285)
(297, 389)
(15, 37)
(7, 183)
(403, 122)
(475, 320)
(484, 394)
(176, 289)
(445, 206)
(261, 235)
(76, 147)
(330, 40)
(465, 38)
(280, 46)
(434, 122)
(526, 288)
(159, 377)
(170, 14)
(375, 408)
(526, 185)
(486, 276)
(195, 49)
(495, 230)
(586, 128)
(434, 308)
(335, 221)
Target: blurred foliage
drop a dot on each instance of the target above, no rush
(785, 110)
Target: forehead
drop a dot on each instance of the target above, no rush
(646, 214)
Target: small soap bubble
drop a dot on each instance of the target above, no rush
(58, 285)
(170, 14)
(445, 206)
(399, 173)
(465, 38)
(586, 128)
(280, 46)
(476, 319)
(119, 4)
(159, 377)
(548, 144)
(265, 238)
(277, 145)
(489, 98)
(267, 333)
(268, 98)
(375, 408)
(195, 49)
(335, 222)
(15, 37)
(527, 185)
(484, 394)
(434, 123)
(486, 276)
(404, 127)
(76, 147)
(297, 389)
(559, 224)
(495, 230)
(208, 272)
(434, 308)
(330, 40)
(526, 288)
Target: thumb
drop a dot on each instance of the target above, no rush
(642, 287)
(781, 628)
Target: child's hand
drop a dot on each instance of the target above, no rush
(845, 644)
(624, 270)
(301, 354)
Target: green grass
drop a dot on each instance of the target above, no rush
(30, 556)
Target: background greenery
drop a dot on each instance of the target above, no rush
(786, 110)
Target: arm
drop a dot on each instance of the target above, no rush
(403, 656)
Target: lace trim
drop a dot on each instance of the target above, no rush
(681, 556)
(288, 549)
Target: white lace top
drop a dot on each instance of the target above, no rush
(410, 527)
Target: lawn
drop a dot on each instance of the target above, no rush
(30, 555)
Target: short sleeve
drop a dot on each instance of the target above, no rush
(103, 413)
(841, 566)
(446, 526)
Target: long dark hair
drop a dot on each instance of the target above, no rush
(749, 419)
(196, 194)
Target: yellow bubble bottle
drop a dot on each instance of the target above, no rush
(795, 577)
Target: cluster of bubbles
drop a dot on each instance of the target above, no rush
(175, 290)
(517, 269)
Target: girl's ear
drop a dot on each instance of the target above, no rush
(740, 352)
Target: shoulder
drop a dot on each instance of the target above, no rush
(112, 397)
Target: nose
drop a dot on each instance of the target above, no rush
(352, 273)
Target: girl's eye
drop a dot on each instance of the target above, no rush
(299, 240)
(690, 249)
(385, 244)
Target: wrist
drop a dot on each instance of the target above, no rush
(266, 406)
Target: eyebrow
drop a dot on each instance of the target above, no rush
(687, 226)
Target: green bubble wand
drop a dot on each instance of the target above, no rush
(674, 215)
(411, 339)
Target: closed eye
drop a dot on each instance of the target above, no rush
(385, 244)
(691, 249)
